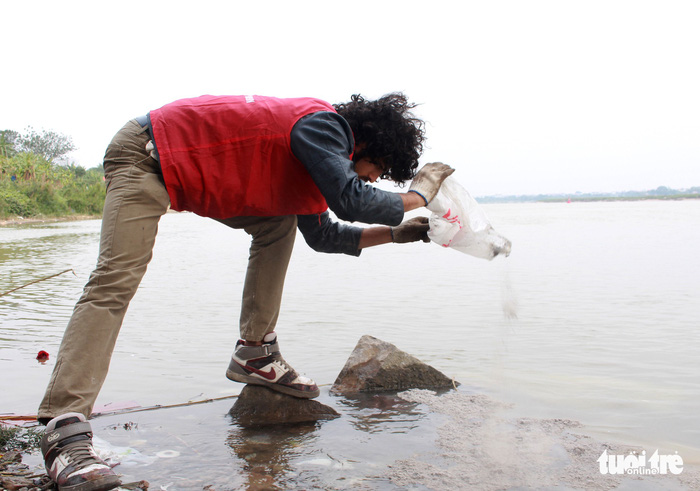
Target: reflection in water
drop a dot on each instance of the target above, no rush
(373, 413)
(269, 452)
(201, 447)
(326, 454)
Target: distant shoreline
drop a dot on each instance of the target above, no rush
(580, 199)
(7, 222)
(675, 197)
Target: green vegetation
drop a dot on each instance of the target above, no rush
(21, 439)
(36, 181)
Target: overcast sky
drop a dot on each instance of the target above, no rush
(522, 97)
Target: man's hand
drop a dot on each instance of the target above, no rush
(429, 179)
(411, 230)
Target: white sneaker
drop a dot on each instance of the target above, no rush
(264, 365)
(70, 459)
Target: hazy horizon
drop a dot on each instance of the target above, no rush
(622, 191)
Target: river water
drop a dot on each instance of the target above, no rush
(594, 317)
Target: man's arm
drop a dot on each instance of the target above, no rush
(411, 230)
(373, 236)
(322, 234)
(412, 201)
(323, 141)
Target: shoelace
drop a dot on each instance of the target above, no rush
(282, 362)
(80, 455)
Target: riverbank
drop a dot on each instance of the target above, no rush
(14, 221)
(7, 222)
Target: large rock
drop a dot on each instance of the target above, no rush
(376, 366)
(260, 406)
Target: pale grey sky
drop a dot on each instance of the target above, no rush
(522, 97)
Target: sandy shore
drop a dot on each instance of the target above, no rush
(28, 221)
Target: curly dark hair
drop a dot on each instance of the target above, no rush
(388, 132)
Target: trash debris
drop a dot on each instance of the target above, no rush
(125, 456)
(168, 454)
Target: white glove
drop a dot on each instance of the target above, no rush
(429, 179)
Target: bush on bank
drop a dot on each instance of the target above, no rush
(31, 185)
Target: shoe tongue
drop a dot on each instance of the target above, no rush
(270, 337)
(67, 421)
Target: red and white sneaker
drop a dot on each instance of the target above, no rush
(264, 365)
(70, 460)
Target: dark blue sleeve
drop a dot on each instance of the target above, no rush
(322, 141)
(322, 234)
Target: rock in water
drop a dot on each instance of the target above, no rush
(376, 366)
(260, 406)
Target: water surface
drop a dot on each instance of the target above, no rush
(593, 317)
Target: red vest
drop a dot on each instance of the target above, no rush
(226, 156)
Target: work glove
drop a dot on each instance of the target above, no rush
(411, 230)
(429, 179)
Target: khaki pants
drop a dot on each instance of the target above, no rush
(136, 199)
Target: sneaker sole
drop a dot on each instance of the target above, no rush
(109, 482)
(247, 379)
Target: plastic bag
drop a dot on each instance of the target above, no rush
(459, 223)
(125, 456)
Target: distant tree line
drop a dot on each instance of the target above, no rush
(36, 177)
(50, 145)
(662, 192)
